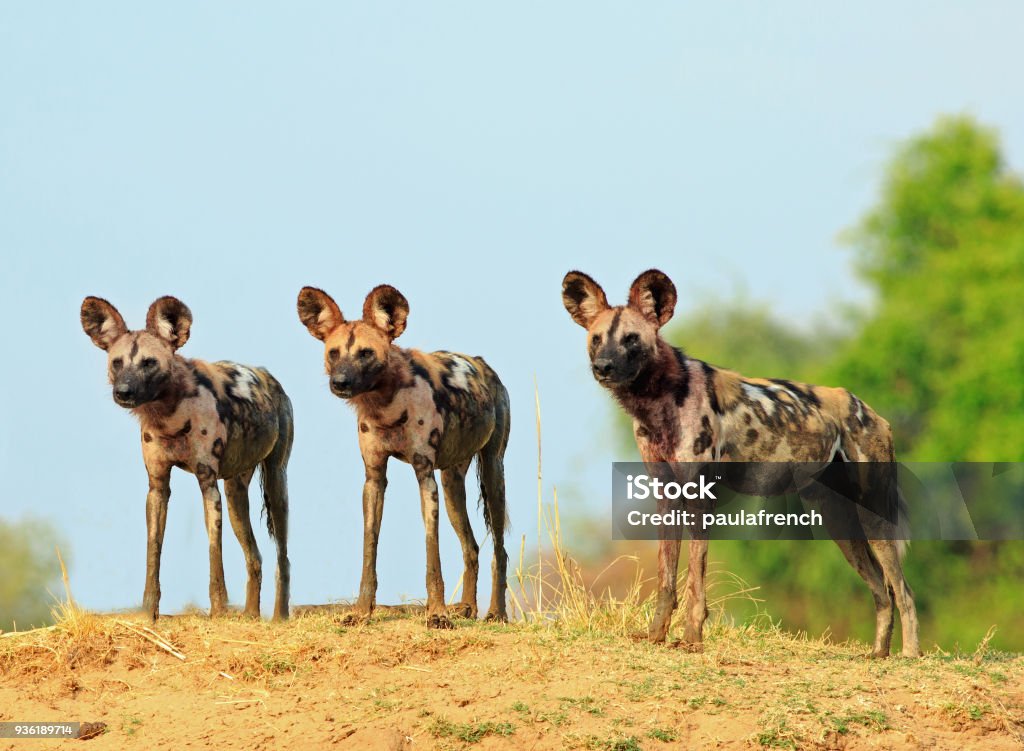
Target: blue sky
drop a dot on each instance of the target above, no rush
(467, 153)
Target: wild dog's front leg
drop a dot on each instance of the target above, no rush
(214, 529)
(696, 596)
(437, 616)
(668, 566)
(156, 521)
(373, 510)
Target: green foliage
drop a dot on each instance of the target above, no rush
(942, 353)
(29, 573)
(745, 336)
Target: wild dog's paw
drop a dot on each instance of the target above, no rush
(437, 620)
(462, 610)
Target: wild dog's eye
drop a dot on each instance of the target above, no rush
(365, 353)
(595, 339)
(631, 340)
(333, 354)
(116, 364)
(148, 362)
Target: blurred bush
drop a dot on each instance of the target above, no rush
(29, 573)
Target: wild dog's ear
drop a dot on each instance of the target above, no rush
(583, 298)
(170, 319)
(318, 312)
(387, 309)
(654, 295)
(102, 322)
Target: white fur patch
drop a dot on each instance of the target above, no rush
(461, 369)
(244, 383)
(757, 394)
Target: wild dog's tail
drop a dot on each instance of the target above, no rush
(274, 474)
(902, 524)
(490, 467)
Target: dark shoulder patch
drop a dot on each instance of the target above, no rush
(709, 386)
(801, 392)
(419, 371)
(204, 381)
(706, 437)
(682, 387)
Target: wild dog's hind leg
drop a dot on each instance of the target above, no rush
(888, 554)
(274, 477)
(237, 490)
(214, 530)
(696, 595)
(453, 482)
(859, 555)
(492, 485)
(156, 521)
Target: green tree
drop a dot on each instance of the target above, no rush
(942, 352)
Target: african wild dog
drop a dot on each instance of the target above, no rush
(685, 410)
(216, 420)
(432, 410)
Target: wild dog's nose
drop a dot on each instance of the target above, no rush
(123, 391)
(339, 382)
(603, 368)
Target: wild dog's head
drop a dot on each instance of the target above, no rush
(355, 352)
(622, 341)
(138, 362)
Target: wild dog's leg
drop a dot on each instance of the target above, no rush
(373, 509)
(156, 521)
(430, 507)
(888, 554)
(214, 530)
(453, 482)
(696, 595)
(492, 485)
(668, 566)
(859, 555)
(275, 500)
(274, 474)
(237, 490)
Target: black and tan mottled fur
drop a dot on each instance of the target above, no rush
(216, 420)
(685, 410)
(432, 410)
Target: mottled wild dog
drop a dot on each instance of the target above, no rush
(432, 410)
(685, 410)
(216, 420)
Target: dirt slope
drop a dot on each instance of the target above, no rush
(313, 683)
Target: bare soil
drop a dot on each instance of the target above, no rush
(314, 683)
